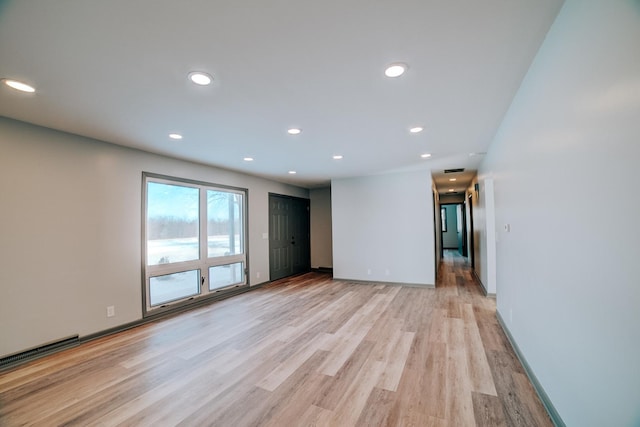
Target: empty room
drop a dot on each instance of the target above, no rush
(336, 213)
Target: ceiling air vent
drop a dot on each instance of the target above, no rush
(454, 170)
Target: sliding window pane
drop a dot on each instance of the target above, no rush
(171, 287)
(172, 223)
(226, 275)
(224, 223)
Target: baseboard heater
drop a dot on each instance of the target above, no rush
(322, 269)
(39, 350)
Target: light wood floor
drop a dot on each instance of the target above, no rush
(306, 351)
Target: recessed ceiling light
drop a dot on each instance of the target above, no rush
(292, 172)
(453, 179)
(22, 87)
(416, 129)
(425, 155)
(395, 70)
(338, 157)
(248, 159)
(451, 190)
(200, 78)
(294, 131)
(175, 136)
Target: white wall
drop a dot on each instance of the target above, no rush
(567, 278)
(383, 228)
(70, 227)
(485, 224)
(321, 245)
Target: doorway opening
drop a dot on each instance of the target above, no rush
(454, 229)
(471, 237)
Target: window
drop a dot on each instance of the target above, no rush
(225, 275)
(224, 223)
(171, 287)
(193, 231)
(172, 223)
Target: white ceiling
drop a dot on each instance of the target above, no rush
(117, 70)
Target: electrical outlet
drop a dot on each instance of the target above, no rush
(368, 271)
(258, 275)
(111, 311)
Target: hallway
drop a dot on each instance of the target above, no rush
(515, 402)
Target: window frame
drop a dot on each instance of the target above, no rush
(204, 262)
(443, 219)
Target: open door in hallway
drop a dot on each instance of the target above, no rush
(470, 235)
(289, 244)
(454, 227)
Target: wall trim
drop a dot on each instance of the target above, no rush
(372, 282)
(484, 289)
(546, 401)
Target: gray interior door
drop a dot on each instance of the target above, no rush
(289, 244)
(300, 241)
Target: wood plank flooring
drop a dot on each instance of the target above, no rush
(305, 351)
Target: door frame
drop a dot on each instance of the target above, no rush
(305, 221)
(472, 245)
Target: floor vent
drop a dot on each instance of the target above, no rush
(37, 351)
